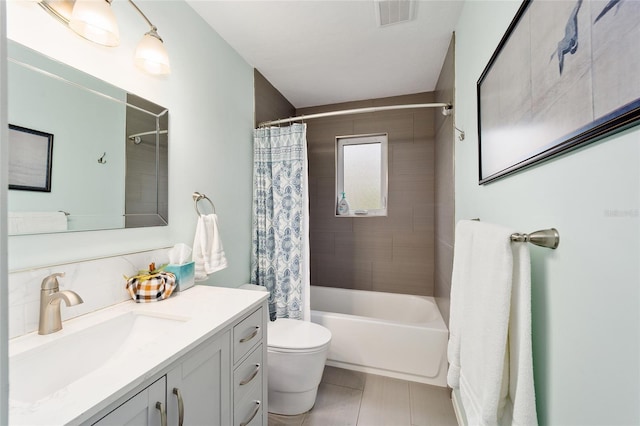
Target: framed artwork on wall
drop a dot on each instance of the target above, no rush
(564, 74)
(30, 153)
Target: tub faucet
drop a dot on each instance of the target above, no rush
(50, 298)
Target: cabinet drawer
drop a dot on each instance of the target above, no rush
(248, 411)
(248, 375)
(247, 334)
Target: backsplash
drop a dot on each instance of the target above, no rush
(99, 282)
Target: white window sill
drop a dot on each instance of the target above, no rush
(368, 214)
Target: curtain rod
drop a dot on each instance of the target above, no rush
(445, 111)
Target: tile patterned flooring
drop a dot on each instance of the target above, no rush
(351, 398)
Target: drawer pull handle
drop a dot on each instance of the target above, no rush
(163, 413)
(250, 378)
(251, 336)
(178, 394)
(255, 411)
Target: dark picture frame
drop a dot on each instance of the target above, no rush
(30, 155)
(564, 74)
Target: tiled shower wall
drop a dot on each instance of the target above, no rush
(393, 253)
(445, 199)
(269, 103)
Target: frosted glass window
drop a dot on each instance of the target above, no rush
(361, 173)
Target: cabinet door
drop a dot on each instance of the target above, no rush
(142, 409)
(201, 385)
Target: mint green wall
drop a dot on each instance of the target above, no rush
(586, 294)
(4, 183)
(209, 95)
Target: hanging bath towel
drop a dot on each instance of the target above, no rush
(490, 326)
(208, 253)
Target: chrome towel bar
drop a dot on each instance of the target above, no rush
(548, 238)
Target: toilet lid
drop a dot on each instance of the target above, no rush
(285, 333)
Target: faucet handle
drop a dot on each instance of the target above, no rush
(51, 282)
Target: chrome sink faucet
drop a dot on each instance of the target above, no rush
(50, 298)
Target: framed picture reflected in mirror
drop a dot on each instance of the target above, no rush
(30, 155)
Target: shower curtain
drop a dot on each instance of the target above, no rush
(280, 253)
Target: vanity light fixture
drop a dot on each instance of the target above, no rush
(95, 21)
(150, 54)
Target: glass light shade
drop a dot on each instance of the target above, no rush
(151, 56)
(95, 21)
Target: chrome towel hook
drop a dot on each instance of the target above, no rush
(197, 197)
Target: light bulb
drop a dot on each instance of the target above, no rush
(151, 55)
(95, 21)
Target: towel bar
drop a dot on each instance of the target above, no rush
(549, 238)
(197, 197)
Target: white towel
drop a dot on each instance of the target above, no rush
(208, 253)
(496, 384)
(522, 399)
(36, 222)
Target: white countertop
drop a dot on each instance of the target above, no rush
(207, 310)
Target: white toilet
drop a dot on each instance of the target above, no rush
(297, 351)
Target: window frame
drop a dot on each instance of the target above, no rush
(341, 141)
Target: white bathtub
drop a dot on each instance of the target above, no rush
(394, 335)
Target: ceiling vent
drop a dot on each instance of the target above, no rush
(389, 12)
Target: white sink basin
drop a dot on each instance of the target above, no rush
(46, 368)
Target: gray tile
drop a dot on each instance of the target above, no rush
(321, 243)
(353, 246)
(335, 406)
(280, 420)
(423, 124)
(335, 271)
(415, 98)
(348, 397)
(431, 406)
(364, 247)
(400, 219)
(413, 247)
(385, 401)
(399, 126)
(404, 277)
(413, 159)
(341, 377)
(322, 163)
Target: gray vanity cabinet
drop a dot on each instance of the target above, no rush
(220, 382)
(199, 386)
(249, 379)
(140, 409)
(194, 392)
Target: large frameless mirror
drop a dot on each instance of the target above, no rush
(83, 154)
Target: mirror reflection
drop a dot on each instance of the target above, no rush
(108, 150)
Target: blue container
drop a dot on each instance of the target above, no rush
(185, 275)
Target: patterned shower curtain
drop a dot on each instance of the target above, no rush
(280, 255)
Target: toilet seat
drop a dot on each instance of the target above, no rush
(289, 335)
